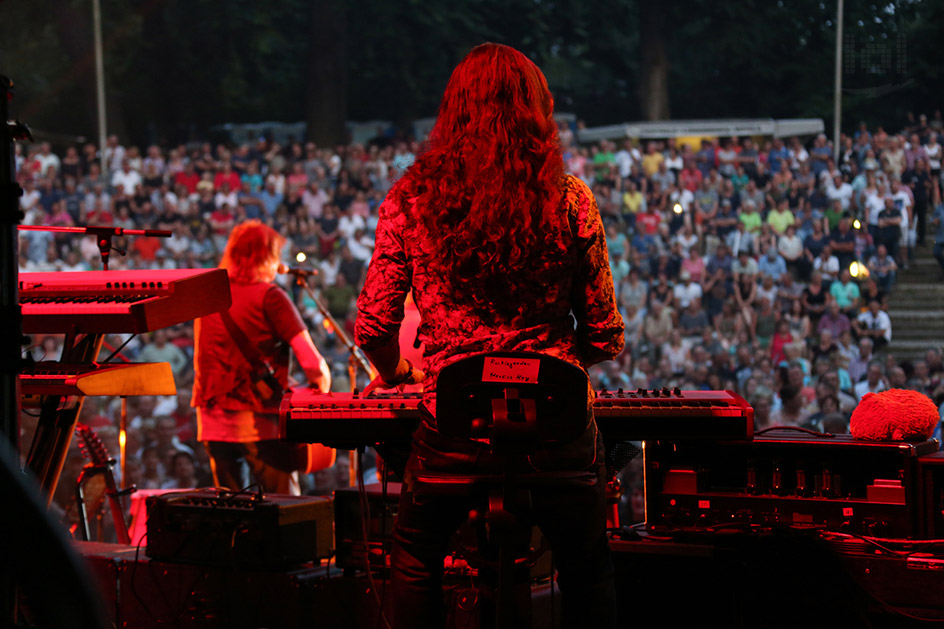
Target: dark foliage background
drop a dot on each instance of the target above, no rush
(176, 67)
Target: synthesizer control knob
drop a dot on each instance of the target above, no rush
(666, 392)
(642, 392)
(677, 391)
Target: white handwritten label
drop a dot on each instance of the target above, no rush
(511, 370)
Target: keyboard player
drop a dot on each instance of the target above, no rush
(241, 369)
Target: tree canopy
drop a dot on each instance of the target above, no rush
(176, 67)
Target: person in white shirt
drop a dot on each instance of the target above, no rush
(625, 157)
(875, 324)
(836, 188)
(126, 177)
(47, 159)
(686, 291)
(874, 381)
(827, 264)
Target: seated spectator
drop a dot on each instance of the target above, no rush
(788, 293)
(762, 402)
(780, 217)
(781, 338)
(740, 240)
(693, 321)
(874, 324)
(694, 265)
(771, 264)
(872, 291)
(798, 320)
(686, 291)
(790, 247)
(661, 290)
(729, 323)
(874, 381)
(726, 219)
(183, 473)
(745, 296)
(792, 411)
(860, 362)
(847, 400)
(842, 242)
(676, 350)
(824, 347)
(827, 404)
(846, 293)
(633, 291)
(767, 289)
(883, 268)
(765, 322)
(656, 328)
(632, 325)
(750, 216)
(744, 266)
(834, 321)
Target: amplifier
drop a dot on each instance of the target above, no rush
(216, 527)
(789, 479)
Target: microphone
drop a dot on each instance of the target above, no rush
(284, 269)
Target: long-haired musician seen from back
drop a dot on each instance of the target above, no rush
(241, 359)
(503, 252)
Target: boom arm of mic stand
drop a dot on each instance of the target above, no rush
(356, 354)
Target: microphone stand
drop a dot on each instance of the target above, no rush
(356, 359)
(103, 235)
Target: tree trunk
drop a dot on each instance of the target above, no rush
(326, 89)
(654, 66)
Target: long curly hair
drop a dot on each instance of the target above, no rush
(490, 172)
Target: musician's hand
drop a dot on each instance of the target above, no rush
(323, 382)
(406, 374)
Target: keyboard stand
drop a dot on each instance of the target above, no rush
(47, 453)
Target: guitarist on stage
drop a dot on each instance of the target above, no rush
(241, 370)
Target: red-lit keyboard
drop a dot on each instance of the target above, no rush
(98, 302)
(341, 419)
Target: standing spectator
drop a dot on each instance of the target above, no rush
(843, 241)
(919, 180)
(889, 228)
(937, 223)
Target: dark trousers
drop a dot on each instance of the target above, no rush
(921, 212)
(271, 464)
(939, 254)
(572, 518)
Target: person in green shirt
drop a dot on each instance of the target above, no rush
(740, 179)
(780, 218)
(603, 159)
(833, 215)
(846, 293)
(750, 217)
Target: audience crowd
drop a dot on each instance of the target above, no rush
(763, 267)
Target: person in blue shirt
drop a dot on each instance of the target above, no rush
(778, 156)
(772, 264)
